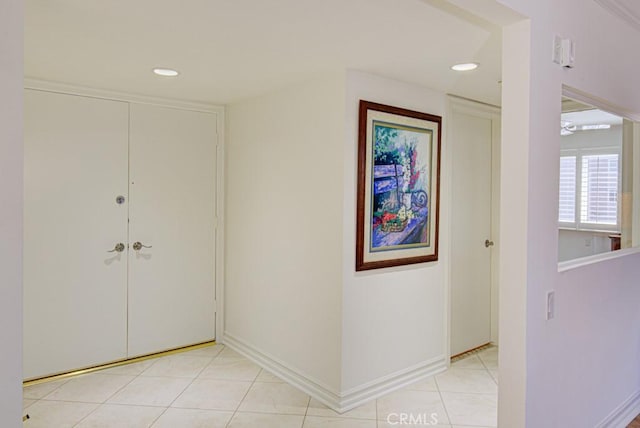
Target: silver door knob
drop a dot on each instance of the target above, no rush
(139, 246)
(488, 243)
(118, 248)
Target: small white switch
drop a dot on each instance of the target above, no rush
(564, 52)
(568, 53)
(551, 303)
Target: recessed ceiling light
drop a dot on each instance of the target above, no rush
(166, 72)
(465, 67)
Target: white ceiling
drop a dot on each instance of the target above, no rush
(227, 50)
(591, 117)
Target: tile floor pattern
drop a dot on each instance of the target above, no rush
(216, 387)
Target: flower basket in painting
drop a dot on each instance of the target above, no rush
(396, 226)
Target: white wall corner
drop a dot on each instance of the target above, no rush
(294, 376)
(360, 395)
(512, 394)
(368, 369)
(220, 221)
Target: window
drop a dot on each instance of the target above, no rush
(599, 184)
(599, 196)
(596, 176)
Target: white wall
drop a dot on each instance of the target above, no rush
(574, 244)
(11, 18)
(284, 227)
(292, 292)
(593, 139)
(393, 319)
(514, 234)
(583, 364)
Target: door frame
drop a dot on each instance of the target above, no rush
(493, 113)
(219, 112)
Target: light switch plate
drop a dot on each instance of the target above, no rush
(551, 304)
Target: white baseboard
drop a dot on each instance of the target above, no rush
(623, 414)
(340, 401)
(314, 388)
(359, 395)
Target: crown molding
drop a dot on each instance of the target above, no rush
(622, 11)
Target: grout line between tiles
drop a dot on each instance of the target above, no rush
(306, 412)
(243, 397)
(190, 383)
(100, 404)
(183, 390)
(48, 393)
(104, 402)
(444, 406)
(253, 383)
(159, 416)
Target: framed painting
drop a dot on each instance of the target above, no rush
(398, 186)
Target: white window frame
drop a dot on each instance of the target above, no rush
(577, 224)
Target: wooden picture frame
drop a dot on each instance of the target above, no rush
(398, 186)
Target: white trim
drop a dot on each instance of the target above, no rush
(621, 11)
(599, 103)
(496, 168)
(63, 88)
(597, 258)
(295, 377)
(362, 394)
(493, 113)
(623, 414)
(569, 228)
(220, 222)
(337, 401)
(465, 105)
(635, 228)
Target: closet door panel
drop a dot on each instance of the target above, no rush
(74, 290)
(173, 191)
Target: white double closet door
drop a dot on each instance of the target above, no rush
(84, 305)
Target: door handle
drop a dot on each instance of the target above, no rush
(139, 246)
(118, 248)
(488, 243)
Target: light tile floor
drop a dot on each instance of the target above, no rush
(216, 387)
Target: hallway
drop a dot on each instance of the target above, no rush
(216, 387)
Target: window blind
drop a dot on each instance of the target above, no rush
(567, 209)
(599, 191)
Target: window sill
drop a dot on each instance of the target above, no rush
(600, 231)
(597, 258)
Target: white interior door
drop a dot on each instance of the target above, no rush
(74, 290)
(173, 194)
(471, 145)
